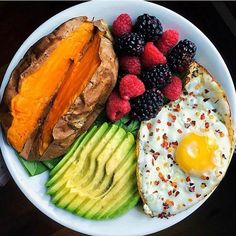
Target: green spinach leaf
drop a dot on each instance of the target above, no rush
(33, 167)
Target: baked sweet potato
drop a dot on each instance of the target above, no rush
(59, 88)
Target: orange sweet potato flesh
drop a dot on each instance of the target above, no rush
(78, 76)
(28, 105)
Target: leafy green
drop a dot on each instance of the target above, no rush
(128, 124)
(33, 167)
(100, 119)
(36, 167)
(125, 122)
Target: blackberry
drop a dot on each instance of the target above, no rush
(157, 77)
(181, 56)
(131, 44)
(147, 105)
(149, 26)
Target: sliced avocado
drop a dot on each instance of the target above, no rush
(129, 204)
(117, 190)
(106, 153)
(62, 166)
(122, 168)
(96, 179)
(80, 155)
(93, 164)
(68, 155)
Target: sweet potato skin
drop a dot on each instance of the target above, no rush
(85, 108)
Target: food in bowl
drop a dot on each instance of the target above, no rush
(157, 75)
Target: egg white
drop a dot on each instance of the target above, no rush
(165, 188)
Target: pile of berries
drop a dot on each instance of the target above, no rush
(150, 60)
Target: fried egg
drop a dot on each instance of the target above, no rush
(183, 153)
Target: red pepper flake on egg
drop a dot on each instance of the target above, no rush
(155, 155)
(179, 131)
(207, 125)
(168, 123)
(202, 117)
(177, 193)
(198, 195)
(156, 182)
(177, 108)
(175, 144)
(173, 117)
(169, 202)
(161, 176)
(193, 122)
(164, 144)
(149, 125)
(188, 179)
(173, 184)
(153, 162)
(186, 125)
(164, 136)
(191, 189)
(158, 121)
(204, 177)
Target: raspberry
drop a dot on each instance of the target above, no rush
(173, 90)
(122, 25)
(167, 41)
(116, 107)
(152, 56)
(130, 64)
(131, 86)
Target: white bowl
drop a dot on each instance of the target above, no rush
(135, 222)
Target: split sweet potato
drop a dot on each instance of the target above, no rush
(59, 88)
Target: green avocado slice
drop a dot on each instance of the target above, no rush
(122, 169)
(99, 176)
(62, 166)
(97, 179)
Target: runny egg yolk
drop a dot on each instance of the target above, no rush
(195, 153)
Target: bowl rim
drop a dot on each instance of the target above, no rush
(25, 46)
